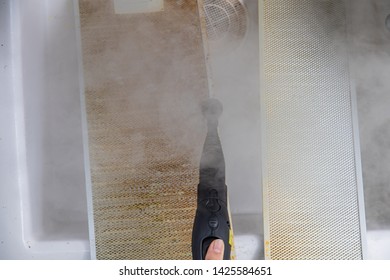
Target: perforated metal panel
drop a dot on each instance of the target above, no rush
(311, 173)
(145, 77)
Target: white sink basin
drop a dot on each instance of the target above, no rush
(42, 195)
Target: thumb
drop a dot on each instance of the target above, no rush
(215, 250)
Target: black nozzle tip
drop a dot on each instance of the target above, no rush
(212, 109)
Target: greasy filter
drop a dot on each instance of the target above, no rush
(145, 77)
(313, 205)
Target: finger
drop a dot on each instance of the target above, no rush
(215, 250)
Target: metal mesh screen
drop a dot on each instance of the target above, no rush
(226, 23)
(145, 77)
(310, 193)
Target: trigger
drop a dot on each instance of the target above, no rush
(205, 245)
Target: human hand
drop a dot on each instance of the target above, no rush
(215, 250)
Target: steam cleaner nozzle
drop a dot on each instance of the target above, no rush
(212, 218)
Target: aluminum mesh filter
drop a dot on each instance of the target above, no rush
(311, 202)
(145, 77)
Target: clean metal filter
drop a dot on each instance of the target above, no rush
(312, 190)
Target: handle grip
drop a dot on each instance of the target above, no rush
(211, 222)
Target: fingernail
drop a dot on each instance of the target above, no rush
(218, 245)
